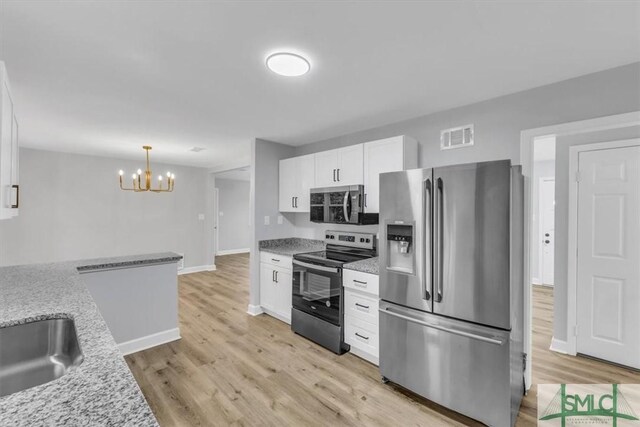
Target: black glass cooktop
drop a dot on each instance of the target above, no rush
(335, 256)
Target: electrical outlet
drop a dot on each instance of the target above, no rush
(267, 220)
(200, 217)
(280, 219)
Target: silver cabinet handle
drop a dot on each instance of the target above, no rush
(465, 334)
(438, 241)
(428, 232)
(316, 267)
(296, 202)
(362, 336)
(365, 200)
(276, 276)
(292, 204)
(338, 175)
(17, 188)
(359, 282)
(273, 275)
(334, 175)
(275, 260)
(363, 306)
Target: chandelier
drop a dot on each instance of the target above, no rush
(139, 185)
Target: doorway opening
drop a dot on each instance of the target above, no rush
(231, 212)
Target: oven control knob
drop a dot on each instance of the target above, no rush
(368, 240)
(333, 237)
(362, 239)
(327, 236)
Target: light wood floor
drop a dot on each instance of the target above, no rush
(230, 368)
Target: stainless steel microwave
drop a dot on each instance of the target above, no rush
(340, 205)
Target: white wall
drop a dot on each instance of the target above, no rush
(265, 165)
(498, 122)
(311, 230)
(234, 218)
(72, 208)
(541, 169)
(562, 216)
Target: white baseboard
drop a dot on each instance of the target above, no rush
(276, 315)
(364, 355)
(197, 269)
(559, 346)
(233, 251)
(149, 341)
(254, 310)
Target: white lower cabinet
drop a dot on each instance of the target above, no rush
(361, 330)
(276, 285)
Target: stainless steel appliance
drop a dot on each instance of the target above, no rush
(340, 205)
(317, 299)
(451, 284)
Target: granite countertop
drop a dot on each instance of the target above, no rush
(291, 246)
(101, 390)
(369, 265)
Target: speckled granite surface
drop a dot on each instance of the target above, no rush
(369, 265)
(102, 390)
(291, 246)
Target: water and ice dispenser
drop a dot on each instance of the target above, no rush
(400, 248)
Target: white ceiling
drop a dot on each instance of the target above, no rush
(107, 77)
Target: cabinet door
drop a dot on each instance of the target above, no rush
(386, 155)
(283, 289)
(6, 122)
(15, 156)
(326, 168)
(287, 185)
(305, 179)
(267, 286)
(350, 161)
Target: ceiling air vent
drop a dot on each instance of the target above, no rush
(457, 137)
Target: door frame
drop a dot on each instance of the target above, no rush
(527, 138)
(572, 264)
(540, 214)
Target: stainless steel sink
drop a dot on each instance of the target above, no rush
(37, 352)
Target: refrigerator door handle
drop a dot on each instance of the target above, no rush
(439, 238)
(483, 338)
(428, 234)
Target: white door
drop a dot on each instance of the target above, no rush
(608, 267)
(287, 185)
(305, 180)
(350, 165)
(386, 155)
(547, 228)
(326, 168)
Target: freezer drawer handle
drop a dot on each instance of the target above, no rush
(362, 336)
(496, 341)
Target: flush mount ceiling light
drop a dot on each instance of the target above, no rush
(139, 186)
(288, 64)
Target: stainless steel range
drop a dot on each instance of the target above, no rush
(317, 311)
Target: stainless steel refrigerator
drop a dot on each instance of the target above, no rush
(451, 285)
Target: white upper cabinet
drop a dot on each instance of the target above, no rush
(342, 166)
(9, 189)
(297, 177)
(385, 155)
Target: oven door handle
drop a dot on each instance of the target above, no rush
(317, 267)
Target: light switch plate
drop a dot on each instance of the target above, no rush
(280, 219)
(267, 220)
(201, 217)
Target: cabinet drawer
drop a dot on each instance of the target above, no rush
(282, 261)
(361, 307)
(357, 280)
(358, 334)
